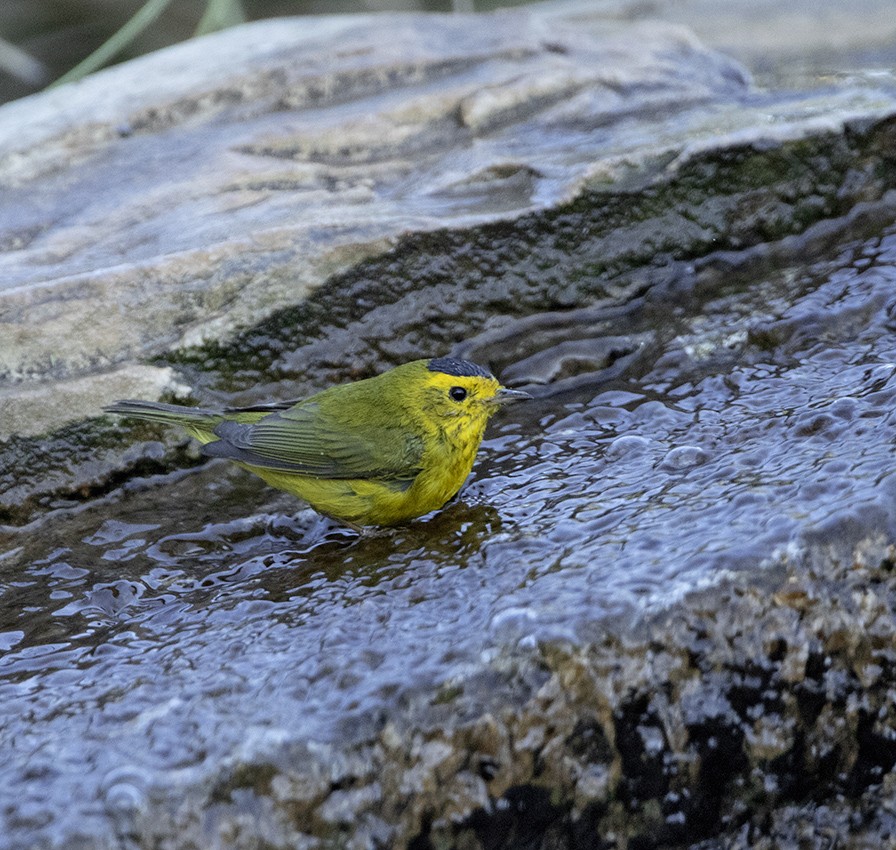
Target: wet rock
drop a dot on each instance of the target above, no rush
(682, 731)
(198, 220)
(372, 316)
(660, 615)
(185, 202)
(28, 409)
(594, 641)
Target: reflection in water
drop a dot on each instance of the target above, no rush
(149, 636)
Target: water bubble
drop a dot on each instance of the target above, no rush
(684, 457)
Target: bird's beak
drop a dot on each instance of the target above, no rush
(505, 396)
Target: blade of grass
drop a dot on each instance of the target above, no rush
(221, 14)
(116, 42)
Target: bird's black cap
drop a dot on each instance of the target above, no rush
(458, 368)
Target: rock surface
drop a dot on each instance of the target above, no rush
(698, 725)
(786, 42)
(662, 613)
(199, 197)
(171, 201)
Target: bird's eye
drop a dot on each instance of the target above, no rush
(457, 393)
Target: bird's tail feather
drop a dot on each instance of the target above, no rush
(170, 414)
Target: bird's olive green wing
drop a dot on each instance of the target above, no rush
(305, 440)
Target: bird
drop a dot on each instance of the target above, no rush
(376, 452)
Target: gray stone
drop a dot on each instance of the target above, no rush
(662, 612)
(179, 197)
(171, 200)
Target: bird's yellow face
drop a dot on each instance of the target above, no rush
(457, 398)
(454, 397)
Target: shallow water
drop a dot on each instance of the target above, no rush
(201, 619)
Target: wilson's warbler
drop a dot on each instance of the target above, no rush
(375, 452)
